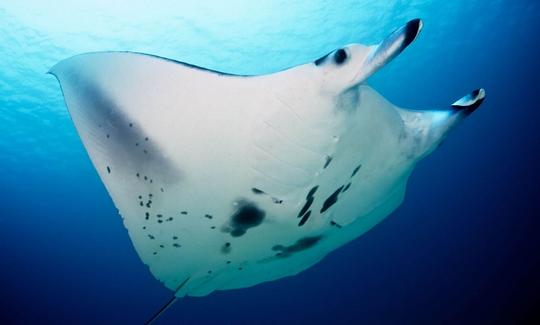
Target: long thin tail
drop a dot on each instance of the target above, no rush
(166, 305)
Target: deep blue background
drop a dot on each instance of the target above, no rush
(462, 248)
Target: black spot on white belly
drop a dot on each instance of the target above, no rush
(331, 200)
(226, 248)
(327, 162)
(309, 201)
(356, 170)
(304, 218)
(247, 215)
(300, 245)
(257, 191)
(333, 223)
(276, 200)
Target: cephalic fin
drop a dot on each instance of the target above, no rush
(470, 102)
(390, 47)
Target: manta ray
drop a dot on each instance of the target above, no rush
(225, 181)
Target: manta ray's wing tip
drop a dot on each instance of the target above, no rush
(54, 69)
(470, 102)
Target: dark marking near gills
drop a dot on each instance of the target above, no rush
(327, 162)
(108, 169)
(300, 245)
(356, 170)
(331, 200)
(247, 215)
(304, 218)
(309, 201)
(312, 191)
(346, 188)
(257, 191)
(332, 223)
(276, 200)
(261, 192)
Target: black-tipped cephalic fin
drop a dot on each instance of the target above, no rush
(470, 102)
(389, 48)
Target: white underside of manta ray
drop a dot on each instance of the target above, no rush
(227, 181)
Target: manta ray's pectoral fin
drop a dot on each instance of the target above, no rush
(389, 48)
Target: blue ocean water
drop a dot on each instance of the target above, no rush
(463, 248)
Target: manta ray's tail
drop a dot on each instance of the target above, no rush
(167, 304)
(162, 310)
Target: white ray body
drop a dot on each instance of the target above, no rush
(184, 152)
